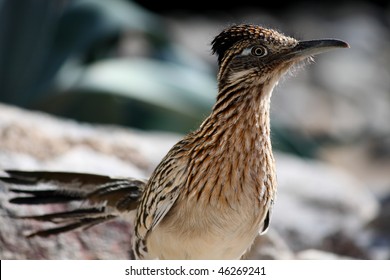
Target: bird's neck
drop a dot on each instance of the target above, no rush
(242, 112)
(235, 138)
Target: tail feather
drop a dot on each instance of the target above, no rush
(102, 198)
(42, 197)
(71, 181)
(61, 217)
(83, 223)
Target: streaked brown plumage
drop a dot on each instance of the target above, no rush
(212, 193)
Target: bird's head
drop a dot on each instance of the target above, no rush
(250, 53)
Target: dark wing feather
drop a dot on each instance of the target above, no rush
(106, 197)
(267, 219)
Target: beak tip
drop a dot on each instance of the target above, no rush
(345, 45)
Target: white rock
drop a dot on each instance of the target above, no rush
(313, 254)
(315, 200)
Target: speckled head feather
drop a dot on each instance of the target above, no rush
(231, 35)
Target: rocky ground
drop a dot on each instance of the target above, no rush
(322, 211)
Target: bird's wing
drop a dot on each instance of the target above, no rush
(157, 201)
(267, 218)
(103, 198)
(160, 194)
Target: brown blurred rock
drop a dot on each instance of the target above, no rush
(34, 141)
(344, 245)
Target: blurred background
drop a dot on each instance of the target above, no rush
(148, 66)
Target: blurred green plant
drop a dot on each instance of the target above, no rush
(74, 59)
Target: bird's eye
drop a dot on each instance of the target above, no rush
(259, 51)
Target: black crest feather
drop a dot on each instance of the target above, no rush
(233, 34)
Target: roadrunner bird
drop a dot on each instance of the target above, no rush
(212, 193)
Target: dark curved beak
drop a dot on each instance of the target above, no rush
(309, 48)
